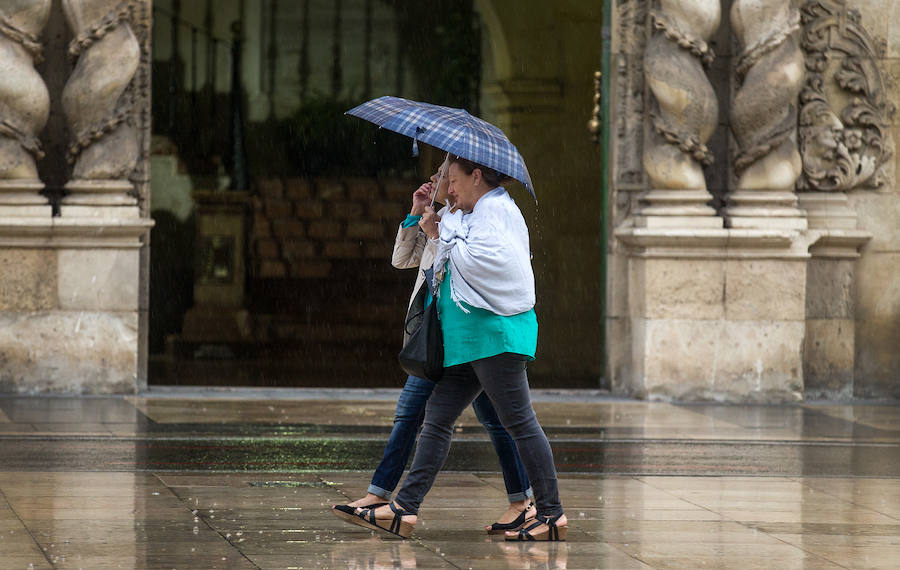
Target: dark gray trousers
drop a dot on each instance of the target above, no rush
(504, 380)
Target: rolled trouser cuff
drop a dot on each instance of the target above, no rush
(376, 490)
(520, 496)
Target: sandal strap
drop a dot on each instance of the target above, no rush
(399, 513)
(551, 525)
(367, 514)
(398, 510)
(519, 521)
(524, 533)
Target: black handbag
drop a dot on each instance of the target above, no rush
(422, 354)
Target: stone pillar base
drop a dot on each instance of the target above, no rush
(23, 198)
(715, 315)
(685, 222)
(99, 199)
(676, 209)
(764, 210)
(827, 210)
(69, 311)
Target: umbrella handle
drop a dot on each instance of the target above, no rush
(440, 179)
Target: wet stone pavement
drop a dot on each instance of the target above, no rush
(244, 479)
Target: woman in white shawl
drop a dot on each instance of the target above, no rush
(412, 250)
(486, 306)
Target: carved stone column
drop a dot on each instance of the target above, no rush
(24, 107)
(770, 72)
(683, 113)
(846, 145)
(705, 312)
(98, 102)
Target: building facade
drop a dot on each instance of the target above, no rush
(754, 246)
(741, 243)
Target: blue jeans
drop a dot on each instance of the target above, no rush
(408, 419)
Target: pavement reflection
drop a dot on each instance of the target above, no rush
(240, 483)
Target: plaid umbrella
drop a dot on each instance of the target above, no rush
(453, 130)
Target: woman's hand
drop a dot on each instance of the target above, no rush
(429, 223)
(422, 199)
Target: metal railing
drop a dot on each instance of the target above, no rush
(205, 123)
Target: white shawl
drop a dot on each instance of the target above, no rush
(489, 256)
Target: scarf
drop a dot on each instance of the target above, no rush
(487, 253)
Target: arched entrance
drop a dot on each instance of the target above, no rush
(321, 305)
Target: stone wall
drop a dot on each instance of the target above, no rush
(877, 287)
(795, 295)
(68, 320)
(72, 305)
(849, 126)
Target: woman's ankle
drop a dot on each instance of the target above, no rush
(386, 512)
(561, 520)
(520, 505)
(369, 499)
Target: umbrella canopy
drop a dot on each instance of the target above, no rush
(449, 129)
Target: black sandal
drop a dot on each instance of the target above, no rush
(346, 512)
(500, 528)
(552, 533)
(395, 526)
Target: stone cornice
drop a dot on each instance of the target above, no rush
(837, 244)
(712, 243)
(731, 243)
(59, 233)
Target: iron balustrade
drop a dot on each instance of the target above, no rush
(205, 123)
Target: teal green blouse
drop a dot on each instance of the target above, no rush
(481, 333)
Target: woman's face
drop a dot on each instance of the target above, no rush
(465, 189)
(441, 193)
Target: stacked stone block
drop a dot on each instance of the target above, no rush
(68, 319)
(326, 301)
(302, 227)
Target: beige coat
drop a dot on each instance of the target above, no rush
(413, 249)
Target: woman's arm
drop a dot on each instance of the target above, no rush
(410, 242)
(408, 248)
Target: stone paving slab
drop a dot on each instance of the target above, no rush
(82, 485)
(615, 522)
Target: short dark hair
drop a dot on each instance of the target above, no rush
(492, 177)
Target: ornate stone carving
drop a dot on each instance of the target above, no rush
(629, 97)
(770, 74)
(98, 101)
(141, 92)
(684, 109)
(24, 106)
(850, 149)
